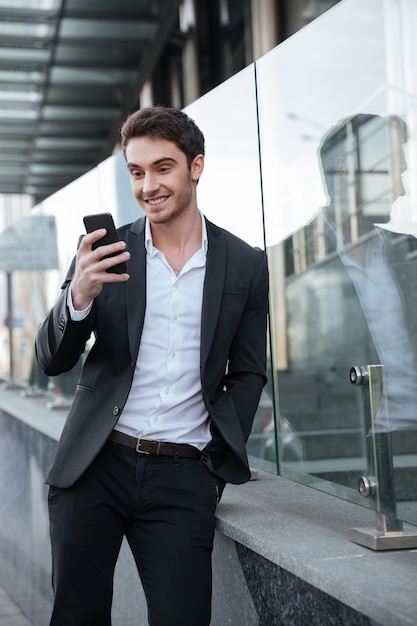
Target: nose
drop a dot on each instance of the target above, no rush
(150, 183)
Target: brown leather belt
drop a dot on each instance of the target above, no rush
(158, 448)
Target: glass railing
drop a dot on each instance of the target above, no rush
(312, 154)
(337, 116)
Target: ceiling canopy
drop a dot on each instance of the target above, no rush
(69, 72)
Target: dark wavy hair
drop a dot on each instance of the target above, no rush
(164, 123)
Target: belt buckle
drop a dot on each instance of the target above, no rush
(138, 444)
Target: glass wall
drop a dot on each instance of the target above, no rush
(312, 154)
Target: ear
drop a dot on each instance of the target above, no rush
(197, 167)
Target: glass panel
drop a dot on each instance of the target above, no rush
(12, 144)
(123, 6)
(93, 76)
(26, 30)
(231, 157)
(79, 113)
(339, 154)
(76, 128)
(43, 5)
(11, 127)
(21, 95)
(27, 55)
(68, 143)
(22, 77)
(53, 168)
(9, 110)
(104, 94)
(230, 195)
(118, 54)
(112, 29)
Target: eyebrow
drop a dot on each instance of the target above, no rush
(157, 162)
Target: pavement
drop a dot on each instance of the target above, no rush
(10, 613)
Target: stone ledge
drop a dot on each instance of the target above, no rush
(307, 533)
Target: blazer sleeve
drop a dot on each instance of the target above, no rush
(60, 341)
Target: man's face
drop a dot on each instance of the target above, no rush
(162, 182)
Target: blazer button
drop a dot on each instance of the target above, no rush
(116, 410)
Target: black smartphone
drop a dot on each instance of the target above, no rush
(105, 220)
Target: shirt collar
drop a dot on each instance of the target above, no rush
(149, 242)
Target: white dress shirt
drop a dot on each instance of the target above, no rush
(165, 402)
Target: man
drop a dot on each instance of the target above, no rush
(168, 392)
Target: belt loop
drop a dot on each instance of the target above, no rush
(158, 447)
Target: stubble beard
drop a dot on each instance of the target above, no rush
(182, 203)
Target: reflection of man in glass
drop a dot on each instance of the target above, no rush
(362, 160)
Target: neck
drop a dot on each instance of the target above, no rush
(179, 233)
(179, 241)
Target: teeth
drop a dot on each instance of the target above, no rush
(157, 200)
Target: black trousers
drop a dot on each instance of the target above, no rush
(165, 507)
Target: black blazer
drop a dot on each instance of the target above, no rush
(232, 361)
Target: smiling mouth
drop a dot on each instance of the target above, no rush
(156, 201)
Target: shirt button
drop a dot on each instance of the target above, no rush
(173, 355)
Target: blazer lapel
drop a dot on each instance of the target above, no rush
(136, 285)
(213, 287)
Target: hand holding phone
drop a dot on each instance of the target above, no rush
(105, 220)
